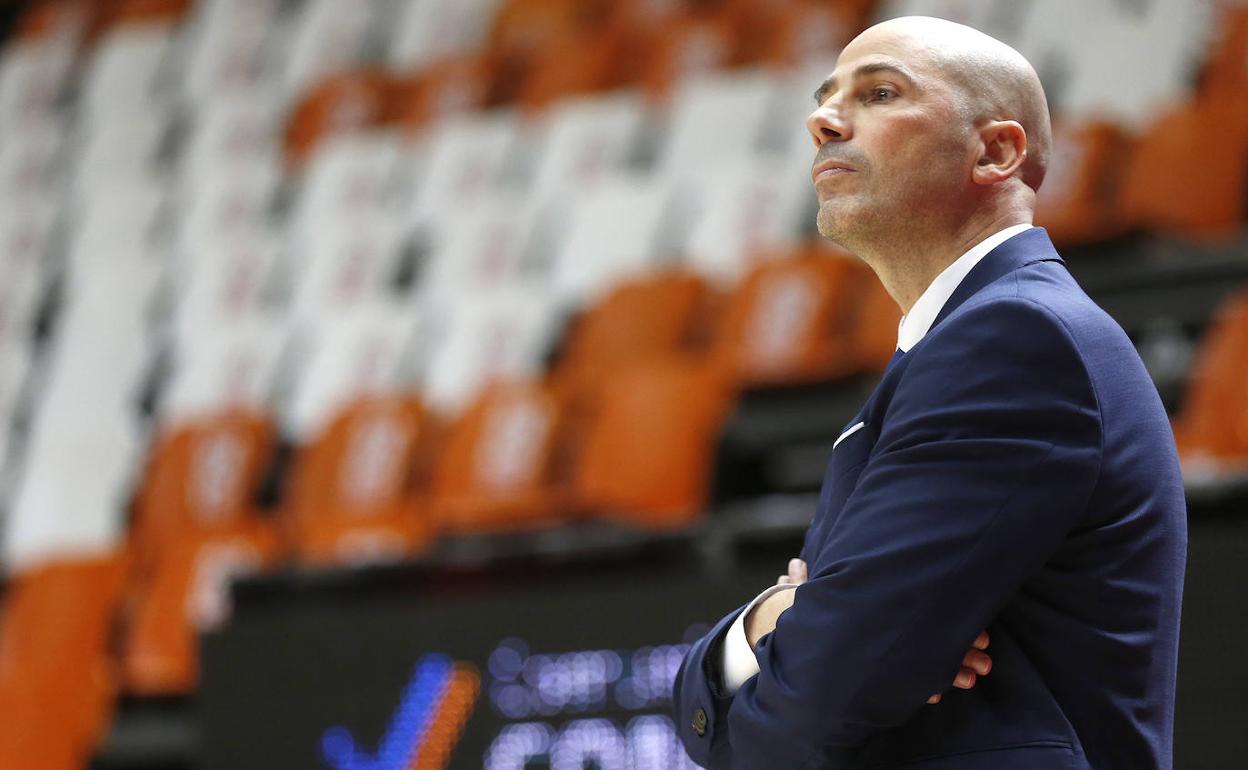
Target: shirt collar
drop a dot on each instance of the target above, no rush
(914, 325)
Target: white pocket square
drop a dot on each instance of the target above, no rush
(848, 432)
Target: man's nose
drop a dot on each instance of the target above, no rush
(826, 124)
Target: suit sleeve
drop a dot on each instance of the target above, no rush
(987, 456)
(701, 702)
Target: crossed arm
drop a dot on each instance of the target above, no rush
(761, 620)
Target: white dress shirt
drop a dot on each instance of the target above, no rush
(738, 661)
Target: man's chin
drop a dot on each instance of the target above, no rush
(833, 223)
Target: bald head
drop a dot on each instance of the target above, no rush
(994, 81)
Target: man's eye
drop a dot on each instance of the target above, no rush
(881, 94)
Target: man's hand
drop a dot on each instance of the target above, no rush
(762, 621)
(975, 663)
(796, 576)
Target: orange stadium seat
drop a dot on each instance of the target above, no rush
(340, 103)
(793, 32)
(792, 320)
(202, 478)
(523, 32)
(532, 24)
(646, 454)
(499, 468)
(188, 594)
(659, 315)
(51, 18)
(688, 45)
(353, 492)
(449, 87)
(57, 685)
(1079, 198)
(118, 12)
(1226, 68)
(1211, 430)
(640, 14)
(1169, 183)
(876, 316)
(573, 65)
(635, 25)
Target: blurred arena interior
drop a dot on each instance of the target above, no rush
(399, 383)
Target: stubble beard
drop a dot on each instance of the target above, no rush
(845, 225)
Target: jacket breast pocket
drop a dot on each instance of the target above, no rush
(848, 459)
(850, 454)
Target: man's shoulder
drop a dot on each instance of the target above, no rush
(1040, 304)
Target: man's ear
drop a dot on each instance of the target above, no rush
(1003, 148)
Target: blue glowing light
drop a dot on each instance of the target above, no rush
(403, 737)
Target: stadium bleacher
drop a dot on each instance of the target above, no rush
(298, 286)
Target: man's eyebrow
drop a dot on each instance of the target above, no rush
(829, 85)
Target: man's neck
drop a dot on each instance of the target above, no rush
(907, 268)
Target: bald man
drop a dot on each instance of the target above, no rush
(1012, 480)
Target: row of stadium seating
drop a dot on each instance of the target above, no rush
(486, 265)
(622, 427)
(458, 196)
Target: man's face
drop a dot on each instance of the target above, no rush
(894, 142)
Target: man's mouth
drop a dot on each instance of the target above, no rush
(831, 170)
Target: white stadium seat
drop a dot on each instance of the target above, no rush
(1159, 43)
(459, 159)
(347, 262)
(990, 16)
(85, 440)
(120, 149)
(232, 364)
(236, 198)
(428, 30)
(72, 493)
(364, 350)
(28, 229)
(718, 116)
(226, 47)
(746, 207)
(328, 36)
(33, 76)
(240, 128)
(349, 174)
(21, 293)
(224, 280)
(483, 336)
(504, 241)
(16, 364)
(585, 141)
(32, 158)
(625, 226)
(120, 226)
(121, 77)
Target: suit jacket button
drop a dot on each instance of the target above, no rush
(699, 722)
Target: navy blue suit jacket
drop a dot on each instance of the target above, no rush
(1016, 473)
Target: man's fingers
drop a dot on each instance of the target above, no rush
(975, 664)
(796, 575)
(981, 641)
(965, 679)
(977, 661)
